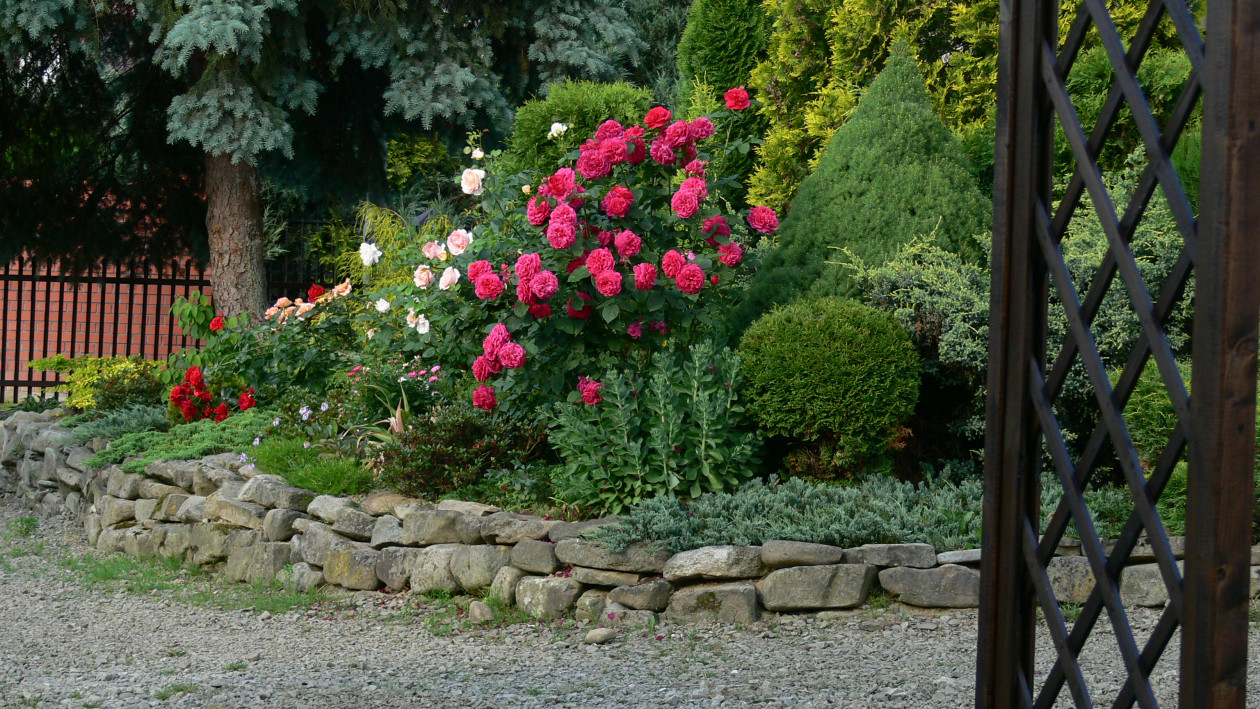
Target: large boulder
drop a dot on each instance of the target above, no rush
(508, 528)
(721, 602)
(781, 554)
(387, 531)
(192, 510)
(78, 457)
(353, 566)
(919, 556)
(272, 491)
(504, 584)
(604, 577)
(326, 507)
(428, 527)
(396, 565)
(206, 478)
(1143, 585)
(176, 472)
(949, 586)
(261, 562)
(278, 524)
(432, 571)
(648, 596)
(637, 558)
(474, 567)
(156, 490)
(1071, 578)
(354, 524)
(476, 509)
(123, 485)
(575, 530)
(176, 540)
(534, 556)
(302, 577)
(547, 596)
(715, 563)
(382, 503)
(209, 542)
(233, 511)
(590, 605)
(318, 541)
(800, 588)
(114, 510)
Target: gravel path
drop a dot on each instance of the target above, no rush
(66, 641)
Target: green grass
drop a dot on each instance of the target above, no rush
(36, 549)
(171, 690)
(321, 471)
(22, 527)
(236, 667)
(133, 575)
(270, 597)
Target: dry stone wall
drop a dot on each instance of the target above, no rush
(257, 527)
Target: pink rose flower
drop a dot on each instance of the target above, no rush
(636, 150)
(608, 283)
(716, 225)
(605, 238)
(737, 99)
(423, 277)
(564, 214)
(628, 244)
(690, 279)
(593, 163)
(636, 329)
(561, 236)
(433, 250)
(677, 134)
(527, 266)
(609, 129)
(525, 291)
(697, 185)
(590, 391)
(477, 269)
(700, 129)
(614, 150)
(484, 398)
(644, 276)
(660, 326)
(498, 337)
(695, 167)
(538, 210)
(485, 367)
(512, 356)
(685, 203)
(450, 276)
(617, 202)
(488, 287)
(662, 153)
(599, 261)
(559, 185)
(657, 117)
(671, 262)
(458, 241)
(763, 219)
(731, 254)
(544, 285)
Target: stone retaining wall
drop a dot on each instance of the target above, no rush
(256, 527)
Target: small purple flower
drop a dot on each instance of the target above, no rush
(257, 441)
(275, 423)
(306, 412)
(323, 406)
(244, 458)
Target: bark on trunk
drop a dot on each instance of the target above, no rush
(235, 225)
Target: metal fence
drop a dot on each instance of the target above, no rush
(108, 311)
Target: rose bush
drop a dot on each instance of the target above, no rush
(603, 261)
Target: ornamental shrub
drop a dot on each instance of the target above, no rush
(310, 467)
(677, 429)
(579, 105)
(837, 376)
(120, 422)
(105, 383)
(891, 174)
(184, 442)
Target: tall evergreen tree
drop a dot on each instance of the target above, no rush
(252, 73)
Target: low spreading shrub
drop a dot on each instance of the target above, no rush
(677, 430)
(455, 445)
(839, 376)
(116, 424)
(105, 383)
(309, 467)
(184, 442)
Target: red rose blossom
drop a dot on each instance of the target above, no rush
(498, 337)
(544, 285)
(636, 150)
(477, 269)
(525, 291)
(593, 163)
(590, 391)
(617, 202)
(671, 262)
(485, 367)
(635, 330)
(615, 150)
(561, 236)
(697, 185)
(512, 356)
(644, 276)
(538, 210)
(489, 287)
(585, 312)
(657, 117)
(559, 185)
(628, 244)
(713, 279)
(685, 203)
(609, 129)
(690, 279)
(737, 99)
(608, 283)
(677, 134)
(695, 167)
(763, 219)
(540, 311)
(527, 266)
(599, 261)
(220, 412)
(315, 291)
(662, 153)
(484, 398)
(217, 323)
(731, 254)
(716, 225)
(700, 129)
(564, 214)
(246, 400)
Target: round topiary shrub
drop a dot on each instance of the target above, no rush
(835, 375)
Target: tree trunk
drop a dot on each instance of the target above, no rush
(235, 224)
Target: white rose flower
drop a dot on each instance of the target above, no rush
(477, 154)
(526, 189)
(371, 333)
(449, 278)
(382, 306)
(422, 325)
(370, 254)
(557, 129)
(471, 181)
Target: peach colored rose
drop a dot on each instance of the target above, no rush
(283, 302)
(433, 250)
(423, 276)
(343, 288)
(458, 241)
(449, 278)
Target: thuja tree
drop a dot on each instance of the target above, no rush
(252, 76)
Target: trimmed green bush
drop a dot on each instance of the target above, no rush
(723, 42)
(116, 424)
(836, 374)
(311, 467)
(186, 442)
(893, 173)
(580, 105)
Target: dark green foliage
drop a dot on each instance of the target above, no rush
(891, 174)
(659, 25)
(311, 467)
(723, 42)
(677, 430)
(580, 105)
(877, 510)
(837, 375)
(128, 387)
(455, 446)
(118, 423)
(185, 442)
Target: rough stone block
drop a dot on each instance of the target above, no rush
(637, 558)
(964, 557)
(647, 596)
(802, 588)
(146, 510)
(353, 566)
(115, 510)
(475, 509)
(232, 511)
(278, 524)
(949, 586)
(123, 485)
(474, 567)
(260, 562)
(590, 605)
(192, 510)
(547, 596)
(206, 478)
(318, 541)
(721, 602)
(604, 577)
(353, 523)
(140, 545)
(1143, 585)
(78, 457)
(209, 542)
(175, 472)
(715, 563)
(508, 528)
(177, 541)
(302, 577)
(156, 490)
(396, 565)
(387, 532)
(1071, 578)
(272, 491)
(781, 554)
(504, 584)
(575, 530)
(433, 571)
(535, 556)
(918, 556)
(468, 527)
(432, 527)
(382, 503)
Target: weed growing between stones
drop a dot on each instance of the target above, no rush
(22, 527)
(171, 690)
(236, 667)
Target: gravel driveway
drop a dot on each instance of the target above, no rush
(66, 640)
